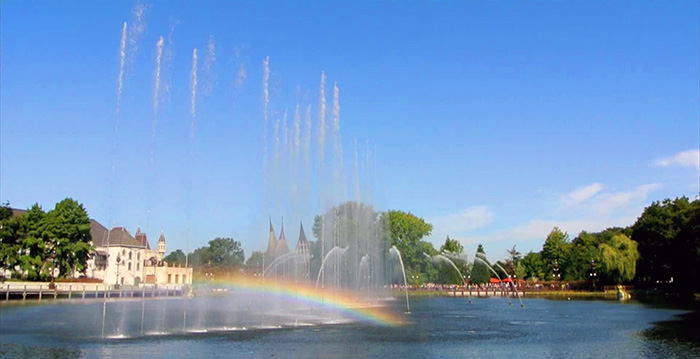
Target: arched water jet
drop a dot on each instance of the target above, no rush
(496, 274)
(403, 270)
(323, 263)
(511, 285)
(282, 259)
(442, 257)
(363, 261)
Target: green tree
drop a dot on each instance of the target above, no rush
(406, 231)
(664, 234)
(33, 236)
(221, 254)
(351, 224)
(176, 257)
(533, 266)
(452, 246)
(255, 260)
(619, 258)
(10, 238)
(480, 273)
(66, 231)
(556, 249)
(453, 250)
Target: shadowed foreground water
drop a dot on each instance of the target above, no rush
(439, 328)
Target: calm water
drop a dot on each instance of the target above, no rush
(439, 328)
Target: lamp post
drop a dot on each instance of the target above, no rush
(119, 261)
(593, 273)
(52, 285)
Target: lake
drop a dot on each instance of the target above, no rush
(436, 328)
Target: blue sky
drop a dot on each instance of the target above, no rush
(495, 121)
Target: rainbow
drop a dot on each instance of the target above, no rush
(342, 301)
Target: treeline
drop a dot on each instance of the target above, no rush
(661, 249)
(35, 242)
(220, 255)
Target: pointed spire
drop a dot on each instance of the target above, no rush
(162, 236)
(302, 243)
(271, 243)
(281, 247)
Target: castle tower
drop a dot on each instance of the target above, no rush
(281, 248)
(303, 258)
(271, 245)
(161, 246)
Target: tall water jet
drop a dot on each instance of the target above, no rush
(321, 162)
(122, 59)
(395, 250)
(266, 102)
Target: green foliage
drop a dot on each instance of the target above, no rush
(668, 237)
(221, 255)
(176, 257)
(453, 250)
(66, 231)
(556, 248)
(37, 241)
(452, 246)
(352, 224)
(480, 273)
(255, 260)
(619, 258)
(406, 231)
(533, 266)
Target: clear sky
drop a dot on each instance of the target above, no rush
(495, 121)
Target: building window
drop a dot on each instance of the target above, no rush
(137, 265)
(129, 255)
(123, 252)
(170, 278)
(122, 280)
(176, 277)
(129, 265)
(138, 256)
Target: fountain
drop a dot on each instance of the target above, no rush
(395, 251)
(486, 263)
(333, 251)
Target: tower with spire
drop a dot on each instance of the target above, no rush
(281, 248)
(271, 245)
(161, 246)
(303, 255)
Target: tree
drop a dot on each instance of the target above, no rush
(452, 246)
(619, 258)
(533, 265)
(351, 225)
(664, 254)
(480, 273)
(222, 254)
(66, 231)
(255, 260)
(405, 231)
(453, 250)
(10, 238)
(512, 262)
(555, 250)
(176, 257)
